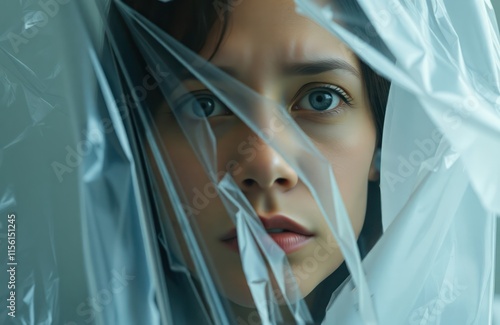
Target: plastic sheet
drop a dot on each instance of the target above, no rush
(249, 162)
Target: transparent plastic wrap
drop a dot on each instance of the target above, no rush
(250, 162)
(67, 175)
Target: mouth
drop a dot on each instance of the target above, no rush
(286, 233)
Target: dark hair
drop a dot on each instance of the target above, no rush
(190, 21)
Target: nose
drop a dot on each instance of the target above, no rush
(262, 168)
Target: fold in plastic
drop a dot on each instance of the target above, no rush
(104, 235)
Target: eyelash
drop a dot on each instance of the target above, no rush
(307, 89)
(301, 93)
(183, 101)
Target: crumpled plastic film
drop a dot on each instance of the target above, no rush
(190, 128)
(439, 44)
(310, 167)
(135, 205)
(81, 238)
(444, 99)
(248, 225)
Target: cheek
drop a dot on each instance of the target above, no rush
(187, 169)
(351, 157)
(205, 210)
(200, 196)
(196, 193)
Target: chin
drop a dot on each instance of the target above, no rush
(240, 294)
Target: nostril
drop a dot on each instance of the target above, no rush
(282, 181)
(249, 182)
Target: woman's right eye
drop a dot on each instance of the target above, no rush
(204, 105)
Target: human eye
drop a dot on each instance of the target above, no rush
(200, 104)
(322, 98)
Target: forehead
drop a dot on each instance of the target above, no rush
(270, 32)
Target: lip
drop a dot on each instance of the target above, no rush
(292, 239)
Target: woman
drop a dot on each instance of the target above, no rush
(229, 162)
(336, 100)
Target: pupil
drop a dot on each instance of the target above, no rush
(320, 100)
(203, 107)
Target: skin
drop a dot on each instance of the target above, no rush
(264, 38)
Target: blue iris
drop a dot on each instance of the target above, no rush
(320, 100)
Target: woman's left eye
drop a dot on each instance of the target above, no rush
(321, 99)
(202, 104)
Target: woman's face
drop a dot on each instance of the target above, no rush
(292, 61)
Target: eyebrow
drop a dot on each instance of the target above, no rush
(320, 66)
(300, 68)
(185, 74)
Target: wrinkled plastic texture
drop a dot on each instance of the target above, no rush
(133, 207)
